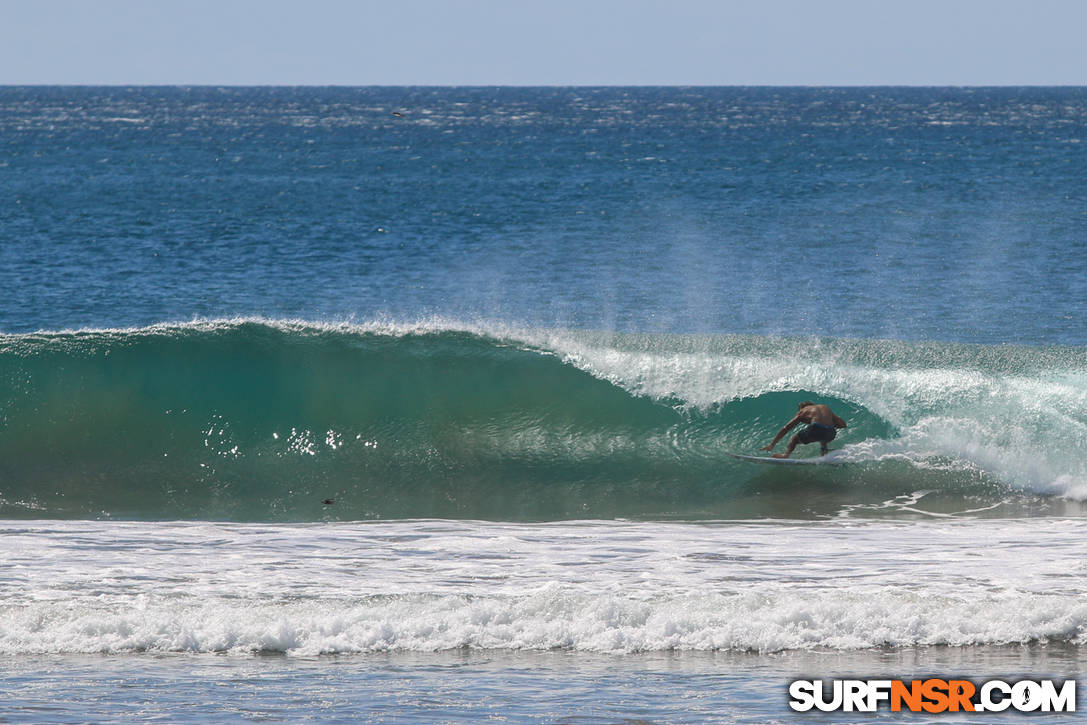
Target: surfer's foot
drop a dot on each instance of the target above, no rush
(780, 455)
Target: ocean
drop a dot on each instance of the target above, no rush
(406, 405)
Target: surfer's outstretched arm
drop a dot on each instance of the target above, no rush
(781, 433)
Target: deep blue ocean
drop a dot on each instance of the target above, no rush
(416, 404)
(908, 213)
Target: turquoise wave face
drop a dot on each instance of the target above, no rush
(261, 420)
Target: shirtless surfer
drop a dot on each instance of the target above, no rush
(822, 427)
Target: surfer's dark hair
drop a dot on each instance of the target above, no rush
(805, 404)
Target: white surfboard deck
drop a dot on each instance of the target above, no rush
(827, 460)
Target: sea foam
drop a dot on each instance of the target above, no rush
(582, 586)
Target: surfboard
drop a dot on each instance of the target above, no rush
(827, 460)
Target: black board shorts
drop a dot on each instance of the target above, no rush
(817, 433)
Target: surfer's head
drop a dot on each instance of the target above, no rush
(805, 404)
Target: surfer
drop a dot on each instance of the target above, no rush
(822, 426)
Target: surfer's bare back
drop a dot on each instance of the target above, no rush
(822, 425)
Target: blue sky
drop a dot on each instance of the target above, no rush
(545, 42)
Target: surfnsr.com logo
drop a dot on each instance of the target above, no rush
(933, 695)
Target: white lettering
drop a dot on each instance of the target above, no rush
(988, 704)
(802, 693)
(878, 691)
(1026, 696)
(992, 695)
(835, 700)
(854, 695)
(1063, 701)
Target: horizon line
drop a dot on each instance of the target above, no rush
(541, 85)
